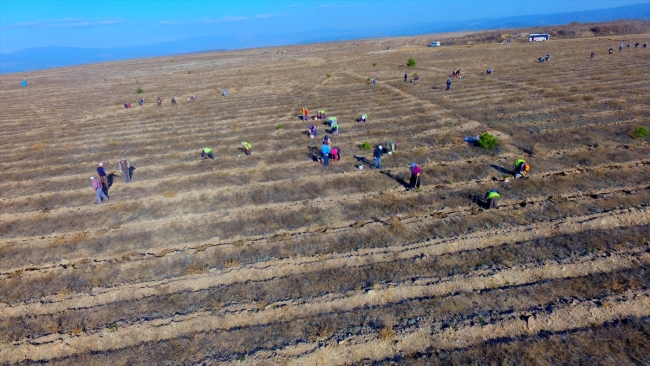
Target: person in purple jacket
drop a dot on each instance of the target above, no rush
(416, 176)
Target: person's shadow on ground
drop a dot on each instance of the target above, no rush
(397, 178)
(501, 169)
(131, 170)
(362, 160)
(478, 200)
(314, 153)
(111, 178)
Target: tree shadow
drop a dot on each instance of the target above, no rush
(397, 178)
(502, 169)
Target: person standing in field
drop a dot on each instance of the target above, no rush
(406, 77)
(376, 161)
(103, 178)
(125, 167)
(305, 114)
(325, 153)
(99, 191)
(448, 83)
(416, 178)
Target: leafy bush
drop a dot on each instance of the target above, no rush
(365, 146)
(139, 91)
(487, 141)
(280, 126)
(374, 64)
(189, 72)
(639, 132)
(411, 62)
(328, 76)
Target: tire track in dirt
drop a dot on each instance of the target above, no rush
(58, 346)
(275, 268)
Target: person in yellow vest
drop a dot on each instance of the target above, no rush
(521, 168)
(207, 153)
(492, 198)
(246, 147)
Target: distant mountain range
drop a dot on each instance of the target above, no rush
(48, 57)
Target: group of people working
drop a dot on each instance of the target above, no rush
(101, 185)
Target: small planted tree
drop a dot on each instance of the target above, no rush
(411, 62)
(139, 91)
(487, 141)
(328, 75)
(365, 146)
(280, 126)
(639, 133)
(374, 64)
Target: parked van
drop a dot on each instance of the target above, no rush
(538, 37)
(434, 44)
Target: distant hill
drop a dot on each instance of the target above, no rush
(48, 57)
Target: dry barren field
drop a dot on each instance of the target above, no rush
(275, 259)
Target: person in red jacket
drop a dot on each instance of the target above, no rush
(416, 178)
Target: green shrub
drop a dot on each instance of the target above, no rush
(365, 146)
(368, 79)
(487, 141)
(411, 62)
(280, 126)
(639, 132)
(328, 76)
(189, 72)
(374, 64)
(139, 91)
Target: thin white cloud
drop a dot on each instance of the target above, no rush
(327, 6)
(266, 16)
(232, 19)
(68, 23)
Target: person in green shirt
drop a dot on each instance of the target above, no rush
(246, 147)
(492, 198)
(521, 168)
(207, 152)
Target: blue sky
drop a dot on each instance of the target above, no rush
(108, 24)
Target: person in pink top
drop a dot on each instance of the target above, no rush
(99, 190)
(416, 173)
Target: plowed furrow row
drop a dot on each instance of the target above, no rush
(179, 326)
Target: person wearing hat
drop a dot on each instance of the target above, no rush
(246, 147)
(125, 167)
(99, 191)
(376, 161)
(416, 173)
(102, 175)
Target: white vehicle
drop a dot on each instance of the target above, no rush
(538, 37)
(434, 44)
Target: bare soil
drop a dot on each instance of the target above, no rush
(274, 258)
